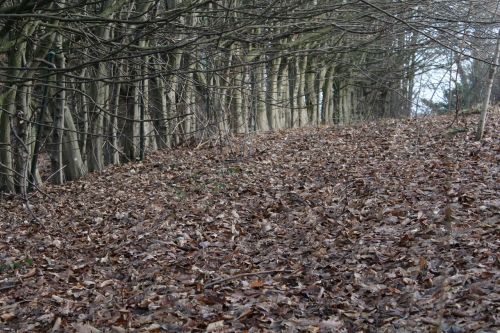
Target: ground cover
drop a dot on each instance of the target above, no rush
(382, 227)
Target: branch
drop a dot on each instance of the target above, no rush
(237, 276)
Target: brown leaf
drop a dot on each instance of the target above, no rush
(423, 264)
(215, 326)
(85, 328)
(256, 284)
(29, 274)
(56, 326)
(58, 299)
(8, 316)
(106, 283)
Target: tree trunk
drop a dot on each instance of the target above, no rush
(311, 95)
(283, 95)
(6, 163)
(23, 125)
(161, 99)
(132, 136)
(239, 114)
(486, 102)
(71, 156)
(327, 97)
(173, 94)
(319, 109)
(114, 155)
(59, 105)
(294, 91)
(272, 93)
(7, 111)
(84, 114)
(101, 93)
(301, 94)
(262, 120)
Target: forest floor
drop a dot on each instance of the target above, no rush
(382, 227)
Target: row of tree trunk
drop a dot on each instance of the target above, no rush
(127, 77)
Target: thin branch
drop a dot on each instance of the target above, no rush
(234, 277)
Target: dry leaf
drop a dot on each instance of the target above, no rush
(29, 274)
(85, 328)
(58, 299)
(106, 283)
(256, 284)
(118, 329)
(8, 316)
(423, 264)
(215, 326)
(57, 325)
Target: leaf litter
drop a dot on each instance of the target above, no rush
(387, 227)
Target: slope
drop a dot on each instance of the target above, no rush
(388, 226)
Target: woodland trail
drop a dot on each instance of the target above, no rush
(383, 227)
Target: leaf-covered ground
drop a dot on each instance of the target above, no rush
(389, 227)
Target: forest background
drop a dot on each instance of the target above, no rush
(88, 84)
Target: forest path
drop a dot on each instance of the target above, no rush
(378, 227)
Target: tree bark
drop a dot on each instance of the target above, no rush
(486, 102)
(272, 93)
(59, 105)
(311, 95)
(102, 98)
(303, 119)
(262, 120)
(327, 97)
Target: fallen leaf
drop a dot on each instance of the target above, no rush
(215, 326)
(29, 274)
(8, 316)
(85, 328)
(57, 325)
(256, 284)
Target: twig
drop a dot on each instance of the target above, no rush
(213, 283)
(36, 220)
(55, 172)
(7, 287)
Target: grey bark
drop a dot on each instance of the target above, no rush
(486, 101)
